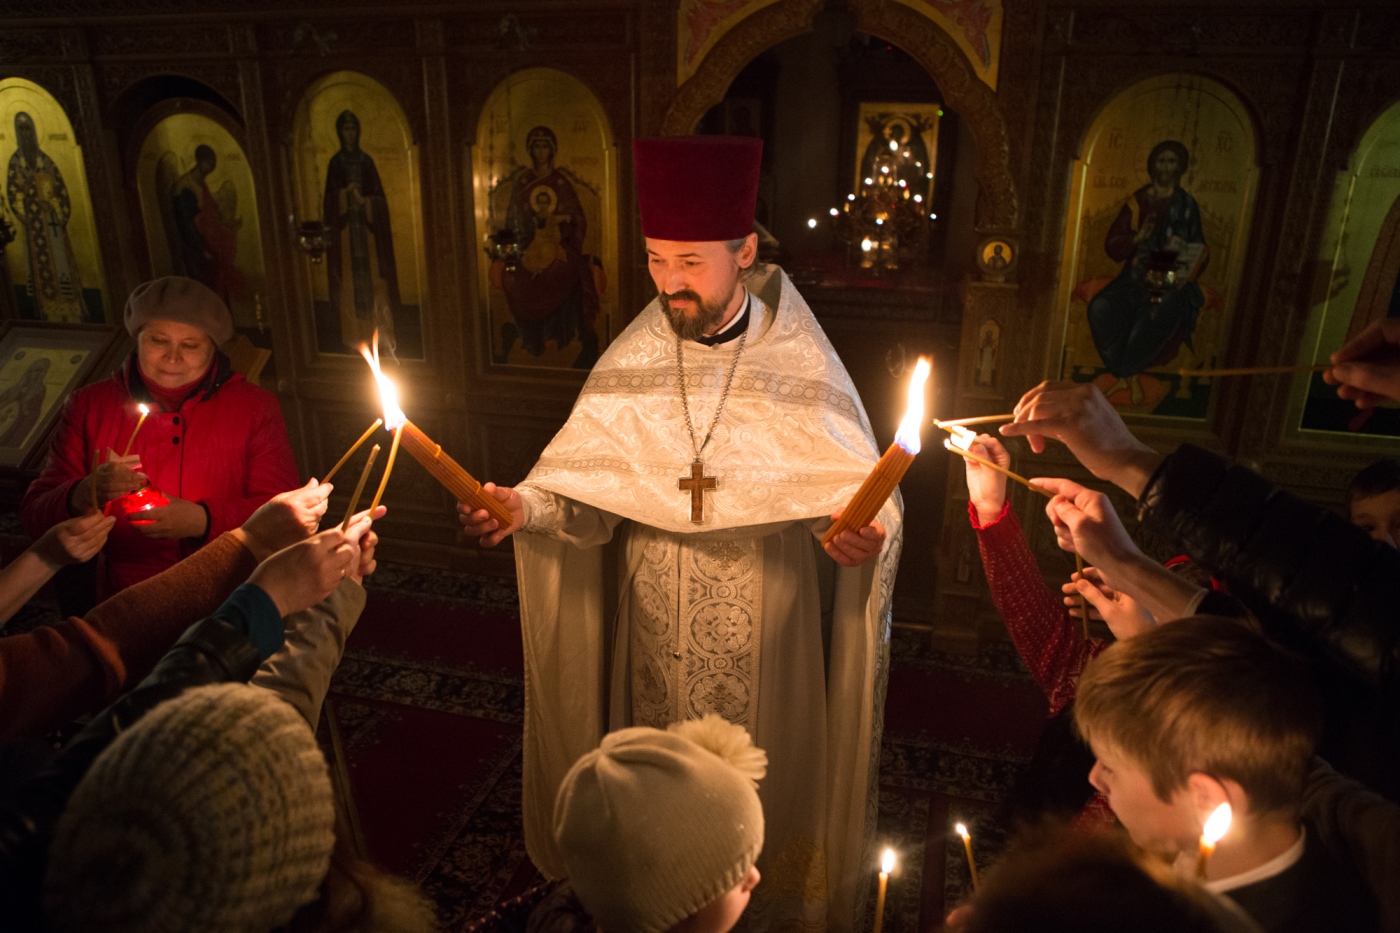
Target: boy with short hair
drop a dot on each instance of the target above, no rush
(1202, 712)
(1373, 501)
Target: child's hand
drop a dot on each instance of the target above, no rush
(1124, 615)
(73, 541)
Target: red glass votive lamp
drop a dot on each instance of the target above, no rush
(134, 505)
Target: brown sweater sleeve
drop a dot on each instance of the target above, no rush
(54, 674)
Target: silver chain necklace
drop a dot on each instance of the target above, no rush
(699, 447)
(697, 483)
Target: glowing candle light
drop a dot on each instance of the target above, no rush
(835, 212)
(811, 223)
(886, 866)
(1216, 827)
(878, 486)
(961, 829)
(443, 468)
(145, 410)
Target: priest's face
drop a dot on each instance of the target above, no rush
(698, 283)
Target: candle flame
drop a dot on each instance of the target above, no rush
(960, 437)
(961, 830)
(887, 862)
(388, 392)
(143, 409)
(908, 434)
(1217, 826)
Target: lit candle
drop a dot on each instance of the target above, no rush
(443, 468)
(145, 410)
(360, 487)
(388, 468)
(878, 486)
(353, 447)
(967, 847)
(1216, 827)
(886, 866)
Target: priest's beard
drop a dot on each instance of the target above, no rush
(692, 325)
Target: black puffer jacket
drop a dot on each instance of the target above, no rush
(1317, 585)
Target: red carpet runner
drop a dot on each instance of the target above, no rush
(429, 699)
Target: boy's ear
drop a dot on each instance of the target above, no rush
(1208, 792)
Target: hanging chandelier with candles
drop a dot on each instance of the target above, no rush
(884, 223)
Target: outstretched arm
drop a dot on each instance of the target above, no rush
(1045, 636)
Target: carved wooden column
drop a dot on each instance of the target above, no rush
(983, 387)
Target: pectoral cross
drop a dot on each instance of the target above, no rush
(696, 486)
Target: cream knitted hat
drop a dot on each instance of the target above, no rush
(654, 825)
(213, 813)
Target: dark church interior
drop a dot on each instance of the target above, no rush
(1142, 229)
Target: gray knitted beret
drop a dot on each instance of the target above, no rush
(213, 813)
(176, 298)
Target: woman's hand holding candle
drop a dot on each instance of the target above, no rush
(180, 519)
(478, 523)
(113, 479)
(853, 548)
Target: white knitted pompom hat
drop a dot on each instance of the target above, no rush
(654, 825)
(213, 813)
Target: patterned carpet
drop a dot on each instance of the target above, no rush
(429, 701)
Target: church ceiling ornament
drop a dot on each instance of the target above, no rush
(975, 25)
(702, 23)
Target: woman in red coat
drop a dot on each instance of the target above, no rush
(213, 445)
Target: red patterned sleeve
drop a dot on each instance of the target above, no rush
(1047, 638)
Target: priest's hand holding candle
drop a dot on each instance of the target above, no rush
(854, 536)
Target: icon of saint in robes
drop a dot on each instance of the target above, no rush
(22, 404)
(1131, 330)
(202, 225)
(39, 200)
(553, 293)
(360, 267)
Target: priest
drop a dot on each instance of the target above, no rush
(668, 543)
